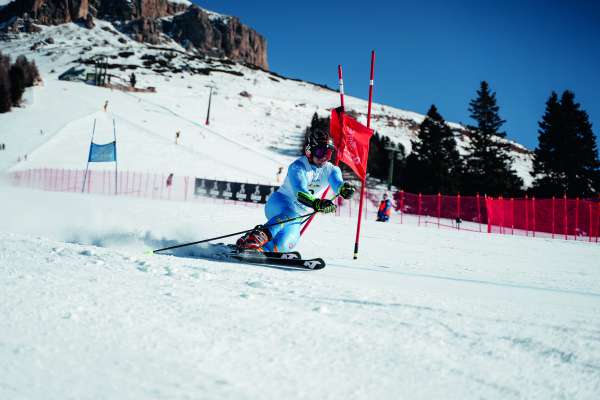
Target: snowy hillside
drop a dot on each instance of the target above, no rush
(258, 116)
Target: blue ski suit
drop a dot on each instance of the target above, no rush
(302, 176)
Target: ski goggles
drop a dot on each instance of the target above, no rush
(322, 151)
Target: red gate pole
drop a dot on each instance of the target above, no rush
(502, 215)
(512, 222)
(401, 205)
(362, 188)
(458, 209)
(419, 210)
(533, 204)
(478, 211)
(489, 220)
(576, 217)
(565, 220)
(553, 201)
(590, 223)
(598, 224)
(439, 208)
(526, 215)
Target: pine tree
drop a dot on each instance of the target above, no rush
(488, 162)
(434, 164)
(316, 124)
(378, 156)
(23, 63)
(566, 159)
(5, 100)
(16, 74)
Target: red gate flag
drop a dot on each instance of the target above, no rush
(351, 139)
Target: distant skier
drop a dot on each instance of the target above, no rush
(177, 134)
(279, 173)
(306, 180)
(385, 209)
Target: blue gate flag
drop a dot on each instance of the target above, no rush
(103, 152)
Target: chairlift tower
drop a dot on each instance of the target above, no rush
(393, 154)
(209, 101)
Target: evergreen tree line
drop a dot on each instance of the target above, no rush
(565, 160)
(14, 78)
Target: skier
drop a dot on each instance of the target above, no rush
(385, 209)
(306, 180)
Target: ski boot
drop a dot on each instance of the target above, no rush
(253, 240)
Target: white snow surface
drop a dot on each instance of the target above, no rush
(423, 313)
(87, 313)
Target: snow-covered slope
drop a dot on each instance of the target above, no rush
(256, 124)
(423, 313)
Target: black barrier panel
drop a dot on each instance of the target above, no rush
(199, 187)
(255, 197)
(241, 194)
(265, 192)
(213, 190)
(226, 190)
(235, 188)
(248, 192)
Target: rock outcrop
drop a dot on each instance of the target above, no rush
(193, 27)
(218, 36)
(47, 12)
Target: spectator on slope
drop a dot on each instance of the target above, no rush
(132, 80)
(385, 209)
(105, 105)
(307, 178)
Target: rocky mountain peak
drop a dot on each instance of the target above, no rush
(152, 21)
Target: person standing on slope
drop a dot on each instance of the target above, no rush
(306, 180)
(385, 209)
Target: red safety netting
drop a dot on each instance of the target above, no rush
(456, 208)
(571, 219)
(558, 217)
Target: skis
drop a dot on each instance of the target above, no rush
(289, 259)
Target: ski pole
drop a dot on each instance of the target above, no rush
(234, 234)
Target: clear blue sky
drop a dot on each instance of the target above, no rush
(437, 52)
